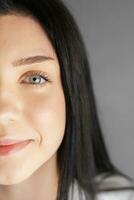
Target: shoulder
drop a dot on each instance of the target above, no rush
(109, 188)
(115, 187)
(120, 195)
(105, 181)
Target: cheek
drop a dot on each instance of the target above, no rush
(47, 115)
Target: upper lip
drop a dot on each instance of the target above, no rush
(10, 141)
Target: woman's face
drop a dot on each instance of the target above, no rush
(30, 106)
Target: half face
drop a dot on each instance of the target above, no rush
(32, 103)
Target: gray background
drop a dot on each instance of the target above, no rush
(108, 30)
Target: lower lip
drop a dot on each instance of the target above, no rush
(8, 149)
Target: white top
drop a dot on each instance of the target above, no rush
(114, 182)
(123, 195)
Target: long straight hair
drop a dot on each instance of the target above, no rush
(82, 155)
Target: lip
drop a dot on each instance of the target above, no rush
(10, 141)
(10, 146)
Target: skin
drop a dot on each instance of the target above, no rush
(29, 111)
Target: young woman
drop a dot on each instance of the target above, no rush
(51, 143)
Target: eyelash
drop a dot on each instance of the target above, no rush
(41, 74)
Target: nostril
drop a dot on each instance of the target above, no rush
(6, 117)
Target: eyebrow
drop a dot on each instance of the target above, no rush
(31, 60)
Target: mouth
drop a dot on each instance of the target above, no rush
(10, 146)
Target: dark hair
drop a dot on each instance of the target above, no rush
(82, 155)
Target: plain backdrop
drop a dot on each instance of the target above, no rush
(107, 27)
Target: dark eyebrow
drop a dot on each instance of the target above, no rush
(31, 60)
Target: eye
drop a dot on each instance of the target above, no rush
(35, 78)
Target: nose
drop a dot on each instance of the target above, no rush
(9, 107)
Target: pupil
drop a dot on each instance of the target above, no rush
(34, 79)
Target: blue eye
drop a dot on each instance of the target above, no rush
(36, 78)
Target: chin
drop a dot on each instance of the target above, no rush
(12, 179)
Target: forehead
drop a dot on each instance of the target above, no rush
(19, 34)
